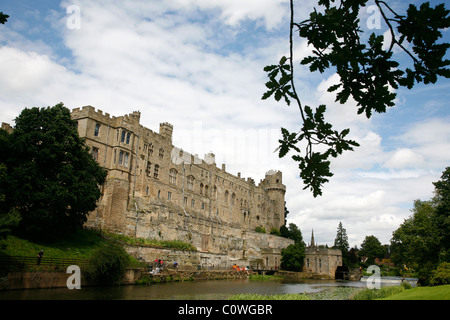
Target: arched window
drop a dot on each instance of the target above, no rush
(233, 199)
(214, 192)
(201, 188)
(173, 176)
(190, 183)
(206, 190)
(156, 171)
(226, 196)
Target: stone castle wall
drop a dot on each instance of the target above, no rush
(156, 190)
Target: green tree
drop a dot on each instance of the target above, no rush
(53, 181)
(341, 242)
(372, 248)
(367, 71)
(109, 263)
(292, 258)
(442, 216)
(292, 232)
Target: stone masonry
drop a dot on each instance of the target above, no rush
(156, 190)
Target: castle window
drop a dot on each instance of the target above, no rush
(185, 200)
(125, 159)
(206, 190)
(320, 263)
(125, 137)
(190, 183)
(169, 195)
(149, 169)
(161, 153)
(214, 192)
(203, 206)
(226, 196)
(121, 157)
(159, 194)
(95, 153)
(233, 199)
(150, 149)
(192, 203)
(201, 188)
(156, 172)
(97, 129)
(173, 176)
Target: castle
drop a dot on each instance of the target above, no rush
(156, 190)
(320, 260)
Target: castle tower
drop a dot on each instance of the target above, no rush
(312, 244)
(273, 184)
(166, 130)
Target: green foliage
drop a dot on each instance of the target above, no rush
(441, 275)
(172, 244)
(292, 232)
(422, 240)
(367, 73)
(260, 229)
(53, 181)
(372, 248)
(292, 258)
(255, 296)
(416, 241)
(385, 292)
(341, 242)
(275, 232)
(109, 263)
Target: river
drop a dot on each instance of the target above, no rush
(187, 290)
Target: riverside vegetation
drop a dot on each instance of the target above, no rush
(402, 292)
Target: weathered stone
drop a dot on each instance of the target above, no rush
(156, 190)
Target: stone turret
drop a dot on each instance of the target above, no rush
(273, 184)
(166, 130)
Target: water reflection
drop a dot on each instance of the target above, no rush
(195, 290)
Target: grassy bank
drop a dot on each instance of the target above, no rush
(351, 293)
(423, 293)
(79, 246)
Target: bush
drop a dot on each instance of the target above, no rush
(109, 263)
(441, 275)
(372, 294)
(260, 229)
(292, 257)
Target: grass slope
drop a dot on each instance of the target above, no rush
(423, 293)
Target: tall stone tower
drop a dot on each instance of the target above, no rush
(273, 184)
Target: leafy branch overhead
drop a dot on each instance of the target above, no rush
(367, 71)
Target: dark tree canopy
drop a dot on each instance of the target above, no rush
(367, 72)
(52, 179)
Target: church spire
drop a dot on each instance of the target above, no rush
(312, 238)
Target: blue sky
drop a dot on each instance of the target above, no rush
(198, 64)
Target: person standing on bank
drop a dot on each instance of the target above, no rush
(40, 255)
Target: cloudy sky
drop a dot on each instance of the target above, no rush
(198, 64)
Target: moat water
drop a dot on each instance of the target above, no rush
(190, 290)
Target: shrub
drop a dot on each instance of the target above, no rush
(441, 275)
(109, 263)
(260, 229)
(372, 294)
